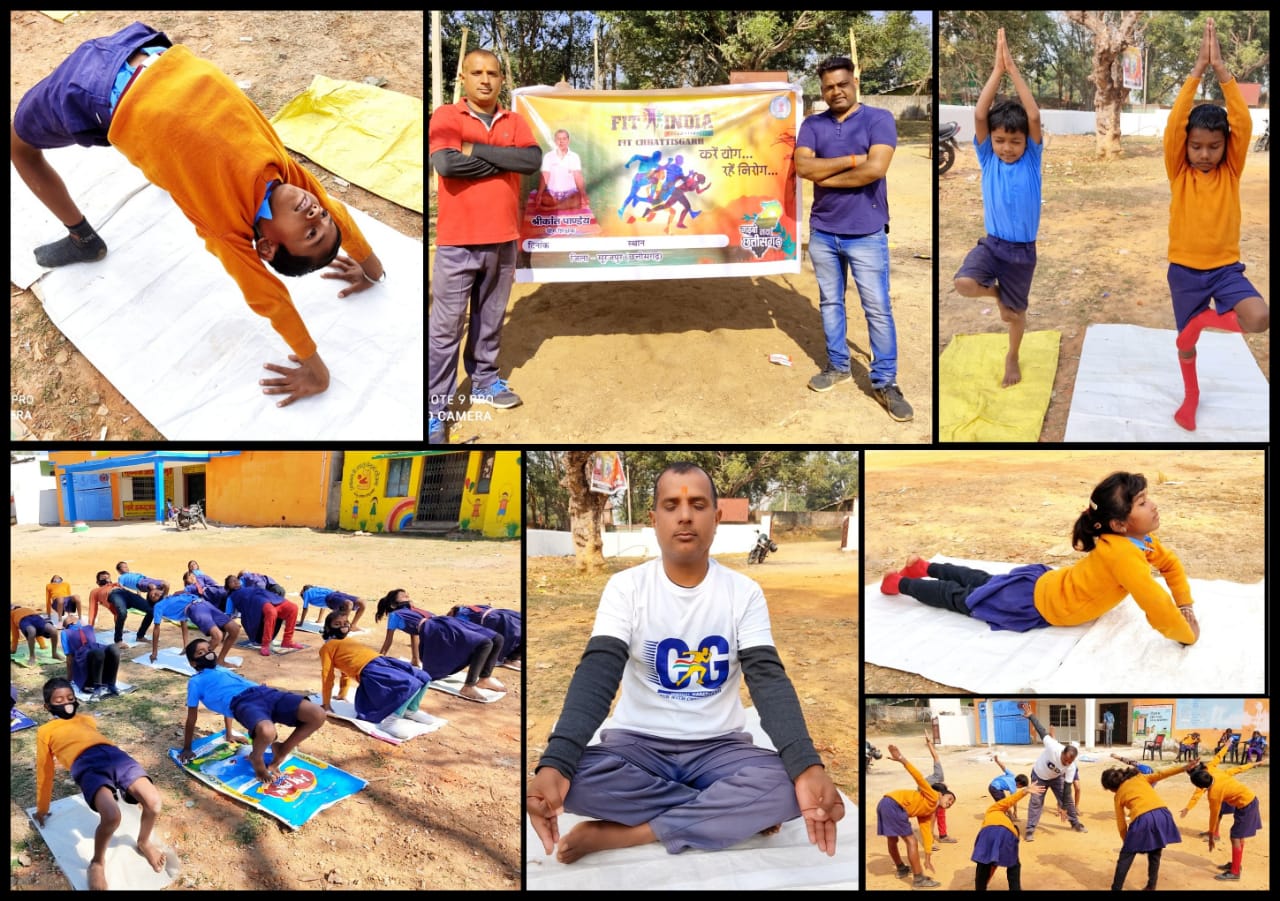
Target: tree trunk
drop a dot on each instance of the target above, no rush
(1109, 41)
(586, 512)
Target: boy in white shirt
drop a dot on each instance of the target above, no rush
(679, 633)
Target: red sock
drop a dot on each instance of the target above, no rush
(917, 570)
(941, 816)
(1186, 415)
(1206, 318)
(889, 584)
(1237, 854)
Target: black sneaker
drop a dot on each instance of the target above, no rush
(904, 870)
(829, 378)
(1228, 875)
(946, 838)
(1079, 827)
(890, 397)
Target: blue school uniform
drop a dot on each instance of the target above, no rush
(1007, 601)
(507, 623)
(216, 688)
(248, 601)
(316, 595)
(386, 685)
(1151, 831)
(78, 642)
(445, 643)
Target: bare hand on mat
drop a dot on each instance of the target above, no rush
(821, 806)
(544, 801)
(349, 271)
(311, 377)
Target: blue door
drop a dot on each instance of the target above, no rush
(93, 496)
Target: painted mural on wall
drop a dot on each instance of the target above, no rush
(365, 506)
(491, 495)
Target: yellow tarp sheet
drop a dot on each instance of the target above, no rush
(366, 135)
(972, 405)
(59, 16)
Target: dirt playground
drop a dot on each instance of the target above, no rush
(688, 361)
(1102, 250)
(1059, 858)
(58, 394)
(441, 811)
(811, 590)
(1019, 506)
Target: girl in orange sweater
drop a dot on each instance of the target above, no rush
(1115, 530)
(893, 821)
(1149, 825)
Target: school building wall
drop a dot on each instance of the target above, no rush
(269, 488)
(365, 504)
(1209, 716)
(63, 458)
(491, 500)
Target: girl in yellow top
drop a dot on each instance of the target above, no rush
(997, 842)
(26, 622)
(1225, 792)
(1213, 766)
(1115, 531)
(53, 594)
(389, 688)
(893, 821)
(102, 771)
(1149, 826)
(1205, 148)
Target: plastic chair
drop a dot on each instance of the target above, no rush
(1154, 747)
(1233, 750)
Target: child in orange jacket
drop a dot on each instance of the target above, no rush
(893, 815)
(1115, 531)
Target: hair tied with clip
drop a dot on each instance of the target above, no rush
(1092, 504)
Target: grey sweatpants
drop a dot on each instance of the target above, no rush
(708, 794)
(470, 287)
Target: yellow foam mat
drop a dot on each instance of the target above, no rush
(369, 136)
(972, 405)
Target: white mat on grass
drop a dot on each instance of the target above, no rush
(174, 660)
(69, 829)
(785, 860)
(1129, 384)
(109, 637)
(408, 729)
(161, 319)
(1118, 652)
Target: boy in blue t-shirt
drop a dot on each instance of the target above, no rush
(1007, 784)
(1009, 144)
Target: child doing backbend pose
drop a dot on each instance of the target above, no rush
(1116, 533)
(1205, 148)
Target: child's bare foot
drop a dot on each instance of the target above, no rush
(154, 855)
(491, 683)
(1012, 373)
(596, 835)
(470, 691)
(97, 876)
(260, 770)
(277, 754)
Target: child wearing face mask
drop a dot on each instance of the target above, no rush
(90, 664)
(389, 688)
(443, 645)
(101, 770)
(257, 707)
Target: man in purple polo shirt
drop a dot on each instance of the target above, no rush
(845, 151)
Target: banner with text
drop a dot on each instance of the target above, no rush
(674, 183)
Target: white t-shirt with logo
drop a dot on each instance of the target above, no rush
(560, 170)
(682, 677)
(1049, 766)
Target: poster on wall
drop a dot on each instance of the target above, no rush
(671, 183)
(1151, 719)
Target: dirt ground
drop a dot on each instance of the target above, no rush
(1102, 250)
(687, 361)
(1020, 506)
(440, 812)
(811, 589)
(1059, 858)
(57, 393)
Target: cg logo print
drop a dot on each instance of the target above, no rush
(704, 667)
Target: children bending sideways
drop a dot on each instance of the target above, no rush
(328, 599)
(1006, 784)
(389, 688)
(997, 842)
(101, 770)
(257, 707)
(91, 665)
(1137, 765)
(443, 645)
(29, 623)
(674, 638)
(1213, 766)
(940, 815)
(507, 623)
(1007, 137)
(893, 820)
(1116, 531)
(1205, 148)
(1056, 769)
(1226, 795)
(1149, 826)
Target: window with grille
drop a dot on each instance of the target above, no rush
(398, 477)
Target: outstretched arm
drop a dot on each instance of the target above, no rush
(989, 90)
(1024, 92)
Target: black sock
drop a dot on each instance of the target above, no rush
(82, 245)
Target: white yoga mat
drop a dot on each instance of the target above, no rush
(785, 860)
(69, 829)
(109, 637)
(1117, 653)
(407, 728)
(1129, 385)
(161, 319)
(174, 660)
(452, 685)
(318, 629)
(123, 687)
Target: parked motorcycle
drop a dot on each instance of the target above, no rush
(188, 517)
(869, 753)
(764, 546)
(948, 147)
(1264, 140)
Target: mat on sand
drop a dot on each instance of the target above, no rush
(406, 729)
(368, 135)
(784, 860)
(1117, 653)
(1129, 385)
(69, 829)
(452, 685)
(19, 721)
(972, 404)
(175, 660)
(307, 786)
(160, 318)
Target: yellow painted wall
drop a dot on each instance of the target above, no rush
(268, 488)
(493, 510)
(365, 503)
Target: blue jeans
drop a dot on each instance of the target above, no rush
(868, 257)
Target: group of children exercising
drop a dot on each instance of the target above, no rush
(475, 638)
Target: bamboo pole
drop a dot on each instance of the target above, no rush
(462, 54)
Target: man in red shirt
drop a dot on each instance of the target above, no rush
(479, 151)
